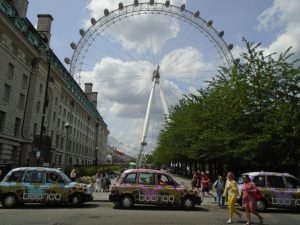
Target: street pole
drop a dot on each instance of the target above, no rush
(46, 101)
(67, 126)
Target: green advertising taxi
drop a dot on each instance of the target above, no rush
(42, 185)
(146, 186)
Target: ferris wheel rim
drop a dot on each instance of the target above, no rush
(149, 7)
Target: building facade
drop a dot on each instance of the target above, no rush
(45, 117)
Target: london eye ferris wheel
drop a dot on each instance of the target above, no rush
(142, 58)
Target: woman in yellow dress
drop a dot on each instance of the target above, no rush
(231, 191)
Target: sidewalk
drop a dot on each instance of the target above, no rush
(103, 196)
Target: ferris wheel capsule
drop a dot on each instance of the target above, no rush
(136, 3)
(93, 21)
(82, 32)
(230, 46)
(121, 6)
(197, 14)
(209, 23)
(167, 4)
(151, 2)
(106, 12)
(221, 34)
(182, 7)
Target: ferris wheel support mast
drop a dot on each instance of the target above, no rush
(155, 79)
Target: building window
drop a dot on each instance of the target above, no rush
(7, 90)
(14, 153)
(62, 143)
(17, 127)
(35, 129)
(2, 120)
(38, 106)
(56, 141)
(21, 101)
(41, 89)
(54, 116)
(24, 81)
(14, 50)
(56, 99)
(11, 71)
(58, 123)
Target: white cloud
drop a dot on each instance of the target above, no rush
(285, 16)
(124, 88)
(167, 27)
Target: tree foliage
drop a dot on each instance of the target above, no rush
(248, 117)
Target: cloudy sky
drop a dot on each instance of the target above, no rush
(122, 58)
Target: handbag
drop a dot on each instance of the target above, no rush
(257, 194)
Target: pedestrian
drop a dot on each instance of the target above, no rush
(248, 200)
(219, 186)
(98, 182)
(196, 181)
(73, 175)
(205, 185)
(107, 182)
(231, 191)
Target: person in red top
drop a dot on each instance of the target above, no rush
(204, 182)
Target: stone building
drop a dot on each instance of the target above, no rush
(45, 117)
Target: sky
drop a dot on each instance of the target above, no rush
(121, 60)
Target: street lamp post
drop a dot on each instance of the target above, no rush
(67, 126)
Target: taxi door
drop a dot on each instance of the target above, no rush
(34, 186)
(146, 188)
(55, 188)
(169, 191)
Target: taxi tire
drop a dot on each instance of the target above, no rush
(9, 201)
(188, 203)
(127, 202)
(76, 200)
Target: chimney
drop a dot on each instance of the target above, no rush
(44, 26)
(21, 7)
(93, 98)
(88, 88)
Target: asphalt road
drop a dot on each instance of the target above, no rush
(104, 213)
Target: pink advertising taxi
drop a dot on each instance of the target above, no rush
(146, 186)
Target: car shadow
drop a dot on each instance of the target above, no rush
(52, 206)
(161, 208)
(282, 210)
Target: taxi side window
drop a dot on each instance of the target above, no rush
(292, 183)
(16, 176)
(53, 177)
(147, 178)
(34, 177)
(259, 181)
(130, 178)
(275, 182)
(163, 179)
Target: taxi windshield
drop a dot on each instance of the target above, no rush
(65, 177)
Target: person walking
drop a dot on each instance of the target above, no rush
(73, 175)
(205, 185)
(248, 200)
(231, 191)
(98, 182)
(219, 186)
(196, 180)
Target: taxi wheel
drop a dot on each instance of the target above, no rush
(76, 200)
(188, 203)
(9, 201)
(127, 202)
